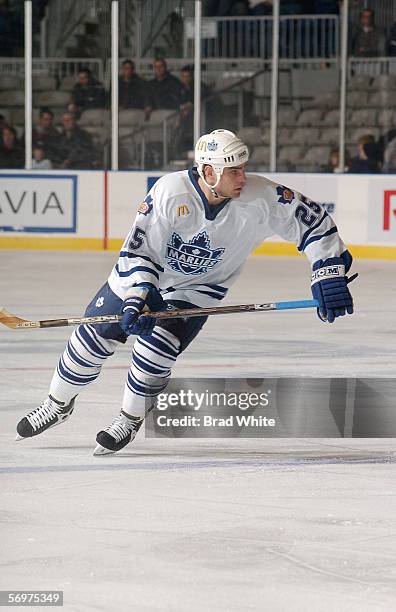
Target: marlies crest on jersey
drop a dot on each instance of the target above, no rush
(193, 257)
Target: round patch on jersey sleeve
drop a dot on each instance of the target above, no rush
(146, 206)
(285, 195)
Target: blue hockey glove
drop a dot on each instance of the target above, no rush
(135, 323)
(330, 287)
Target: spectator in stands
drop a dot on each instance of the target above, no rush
(367, 160)
(390, 157)
(187, 89)
(175, 38)
(165, 89)
(46, 136)
(3, 123)
(132, 89)
(185, 132)
(11, 152)
(87, 93)
(392, 41)
(76, 145)
(333, 164)
(214, 110)
(384, 140)
(39, 161)
(368, 40)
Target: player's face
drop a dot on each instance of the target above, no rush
(232, 181)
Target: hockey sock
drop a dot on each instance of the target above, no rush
(80, 363)
(152, 359)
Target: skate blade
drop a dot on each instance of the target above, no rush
(18, 438)
(100, 450)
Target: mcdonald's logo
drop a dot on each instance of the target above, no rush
(182, 210)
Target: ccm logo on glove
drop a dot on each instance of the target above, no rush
(330, 287)
(327, 272)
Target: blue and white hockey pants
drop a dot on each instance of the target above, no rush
(152, 356)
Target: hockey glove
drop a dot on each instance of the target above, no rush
(135, 323)
(330, 287)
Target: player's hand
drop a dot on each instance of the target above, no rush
(135, 323)
(330, 287)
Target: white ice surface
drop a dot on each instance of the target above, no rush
(197, 525)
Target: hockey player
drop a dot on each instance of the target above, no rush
(189, 242)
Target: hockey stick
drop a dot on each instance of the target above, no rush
(14, 322)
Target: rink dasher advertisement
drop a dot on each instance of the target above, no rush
(382, 210)
(84, 210)
(38, 203)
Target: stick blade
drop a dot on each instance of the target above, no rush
(10, 320)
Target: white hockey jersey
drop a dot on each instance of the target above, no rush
(194, 252)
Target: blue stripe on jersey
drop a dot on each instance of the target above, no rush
(222, 290)
(210, 294)
(216, 288)
(310, 230)
(329, 232)
(137, 269)
(146, 284)
(131, 256)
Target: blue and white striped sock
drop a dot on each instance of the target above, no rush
(152, 360)
(80, 363)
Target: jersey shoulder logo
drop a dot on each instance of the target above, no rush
(146, 206)
(182, 210)
(193, 257)
(285, 195)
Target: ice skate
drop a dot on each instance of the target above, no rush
(50, 413)
(122, 431)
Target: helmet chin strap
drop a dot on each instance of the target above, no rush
(212, 188)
